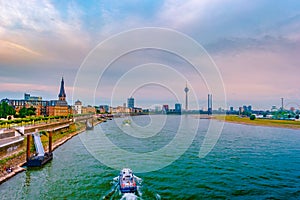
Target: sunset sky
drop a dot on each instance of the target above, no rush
(255, 45)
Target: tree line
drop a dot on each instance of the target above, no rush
(8, 110)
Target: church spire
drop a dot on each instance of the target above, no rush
(62, 93)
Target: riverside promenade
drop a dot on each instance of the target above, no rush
(12, 151)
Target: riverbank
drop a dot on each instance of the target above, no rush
(18, 160)
(259, 122)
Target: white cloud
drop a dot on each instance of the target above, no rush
(40, 27)
(179, 14)
(240, 34)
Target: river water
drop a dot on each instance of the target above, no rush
(247, 162)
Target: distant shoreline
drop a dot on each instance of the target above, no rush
(259, 122)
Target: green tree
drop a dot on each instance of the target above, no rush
(252, 117)
(31, 111)
(23, 112)
(6, 110)
(27, 112)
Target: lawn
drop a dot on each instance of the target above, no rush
(260, 122)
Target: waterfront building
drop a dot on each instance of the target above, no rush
(165, 108)
(45, 108)
(157, 109)
(120, 109)
(136, 110)
(249, 108)
(178, 108)
(130, 102)
(78, 107)
(39, 105)
(176, 111)
(58, 108)
(104, 109)
(88, 109)
(27, 97)
(241, 110)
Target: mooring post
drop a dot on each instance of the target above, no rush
(28, 147)
(50, 141)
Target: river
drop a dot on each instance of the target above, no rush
(247, 162)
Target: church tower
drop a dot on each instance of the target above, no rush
(62, 93)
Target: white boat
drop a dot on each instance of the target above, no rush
(127, 181)
(126, 122)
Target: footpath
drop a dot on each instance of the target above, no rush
(19, 160)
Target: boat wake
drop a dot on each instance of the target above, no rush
(129, 196)
(115, 193)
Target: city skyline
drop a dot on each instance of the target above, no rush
(254, 45)
(130, 103)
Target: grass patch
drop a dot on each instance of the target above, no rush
(5, 160)
(260, 122)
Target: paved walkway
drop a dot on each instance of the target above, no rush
(7, 141)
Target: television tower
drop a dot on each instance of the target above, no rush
(186, 90)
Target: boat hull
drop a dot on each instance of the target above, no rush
(38, 161)
(128, 189)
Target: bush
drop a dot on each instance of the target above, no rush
(252, 117)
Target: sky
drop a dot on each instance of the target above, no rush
(254, 45)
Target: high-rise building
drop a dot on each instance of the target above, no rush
(249, 108)
(165, 108)
(157, 108)
(130, 102)
(26, 96)
(178, 108)
(186, 90)
(209, 104)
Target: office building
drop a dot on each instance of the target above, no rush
(130, 102)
